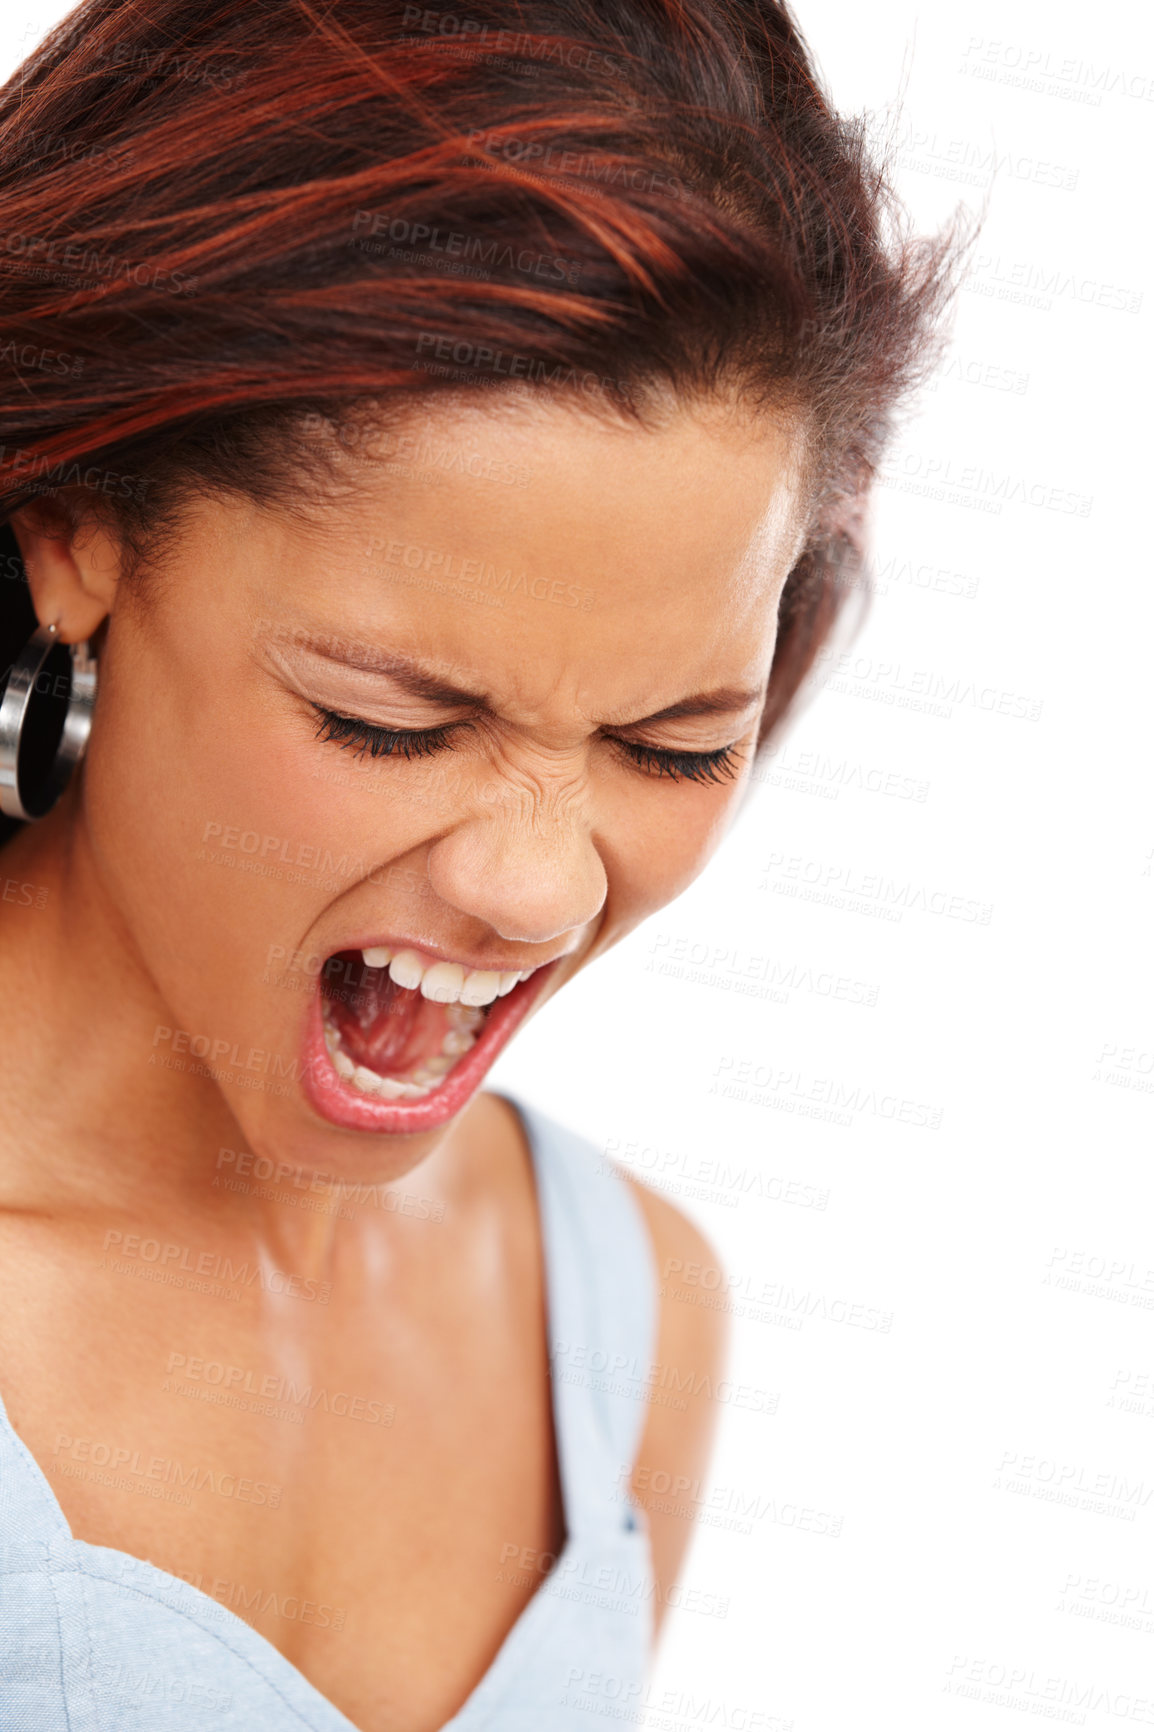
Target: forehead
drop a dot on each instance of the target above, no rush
(698, 481)
(559, 536)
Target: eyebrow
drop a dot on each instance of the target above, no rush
(420, 681)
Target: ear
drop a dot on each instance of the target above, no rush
(73, 570)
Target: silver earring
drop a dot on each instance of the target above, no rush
(22, 681)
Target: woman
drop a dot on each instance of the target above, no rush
(439, 442)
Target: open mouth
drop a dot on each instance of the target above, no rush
(395, 1026)
(400, 1041)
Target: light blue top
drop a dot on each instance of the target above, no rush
(94, 1640)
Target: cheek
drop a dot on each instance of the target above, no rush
(186, 751)
(138, 781)
(662, 840)
(220, 832)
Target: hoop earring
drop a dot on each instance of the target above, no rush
(22, 680)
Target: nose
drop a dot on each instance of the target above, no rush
(529, 875)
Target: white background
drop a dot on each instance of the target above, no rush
(935, 1209)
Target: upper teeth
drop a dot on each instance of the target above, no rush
(443, 982)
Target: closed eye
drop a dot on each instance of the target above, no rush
(381, 742)
(718, 765)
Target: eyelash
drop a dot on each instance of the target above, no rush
(717, 766)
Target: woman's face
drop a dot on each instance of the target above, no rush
(565, 613)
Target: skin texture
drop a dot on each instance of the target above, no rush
(531, 836)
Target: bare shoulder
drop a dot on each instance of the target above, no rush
(689, 1273)
(692, 1348)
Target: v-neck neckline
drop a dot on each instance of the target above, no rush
(274, 1667)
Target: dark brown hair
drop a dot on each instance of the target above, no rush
(221, 221)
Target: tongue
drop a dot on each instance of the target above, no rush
(382, 1025)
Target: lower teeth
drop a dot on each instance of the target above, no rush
(463, 1022)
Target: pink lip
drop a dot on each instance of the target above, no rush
(342, 1104)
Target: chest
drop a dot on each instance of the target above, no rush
(359, 1484)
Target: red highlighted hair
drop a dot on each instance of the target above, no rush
(221, 221)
